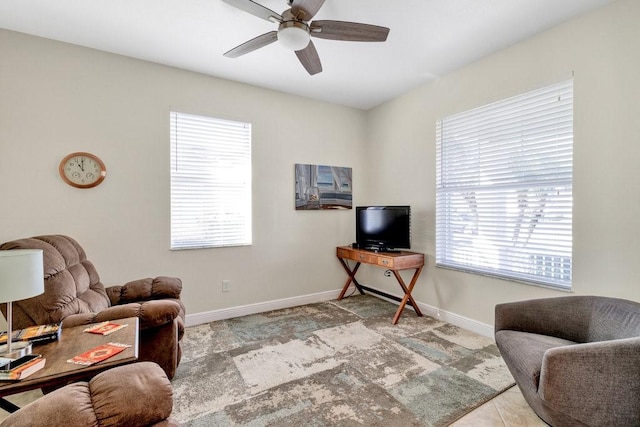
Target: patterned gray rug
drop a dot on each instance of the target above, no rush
(337, 363)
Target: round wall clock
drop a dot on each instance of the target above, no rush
(82, 170)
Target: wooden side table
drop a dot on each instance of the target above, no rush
(72, 342)
(393, 261)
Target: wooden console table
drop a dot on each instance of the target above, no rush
(393, 261)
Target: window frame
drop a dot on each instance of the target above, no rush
(210, 182)
(477, 159)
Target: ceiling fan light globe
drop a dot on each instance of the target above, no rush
(294, 35)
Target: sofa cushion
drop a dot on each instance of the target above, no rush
(526, 351)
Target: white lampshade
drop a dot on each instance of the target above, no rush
(293, 35)
(21, 274)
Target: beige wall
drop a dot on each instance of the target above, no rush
(602, 48)
(57, 98)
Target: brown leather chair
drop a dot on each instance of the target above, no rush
(75, 296)
(131, 395)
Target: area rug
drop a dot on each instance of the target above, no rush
(336, 363)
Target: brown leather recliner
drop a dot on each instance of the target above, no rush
(75, 296)
(132, 395)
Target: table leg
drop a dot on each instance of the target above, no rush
(352, 278)
(407, 294)
(8, 406)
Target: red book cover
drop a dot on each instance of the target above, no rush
(98, 354)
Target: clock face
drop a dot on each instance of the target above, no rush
(82, 170)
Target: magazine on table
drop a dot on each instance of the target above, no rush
(34, 334)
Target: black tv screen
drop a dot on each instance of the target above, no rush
(383, 227)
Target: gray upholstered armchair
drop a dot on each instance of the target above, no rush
(576, 359)
(75, 296)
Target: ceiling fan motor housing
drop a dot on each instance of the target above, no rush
(294, 35)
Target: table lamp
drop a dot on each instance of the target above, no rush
(21, 277)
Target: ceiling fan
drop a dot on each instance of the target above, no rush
(295, 30)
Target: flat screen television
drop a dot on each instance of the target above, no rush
(383, 228)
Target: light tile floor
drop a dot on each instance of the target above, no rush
(506, 410)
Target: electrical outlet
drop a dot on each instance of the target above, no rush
(226, 285)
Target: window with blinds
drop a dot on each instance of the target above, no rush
(210, 182)
(504, 188)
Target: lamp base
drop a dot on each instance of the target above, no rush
(18, 349)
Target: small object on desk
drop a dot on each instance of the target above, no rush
(98, 354)
(34, 334)
(105, 328)
(23, 370)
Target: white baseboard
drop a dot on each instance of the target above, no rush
(429, 310)
(457, 320)
(261, 307)
(449, 317)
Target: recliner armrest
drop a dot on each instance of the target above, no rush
(145, 289)
(150, 314)
(138, 394)
(596, 383)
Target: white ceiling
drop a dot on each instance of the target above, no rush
(428, 38)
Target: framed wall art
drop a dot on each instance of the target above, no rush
(322, 187)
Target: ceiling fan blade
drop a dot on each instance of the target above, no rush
(255, 9)
(305, 9)
(348, 31)
(310, 59)
(253, 44)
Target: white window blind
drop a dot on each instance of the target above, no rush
(504, 188)
(210, 182)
